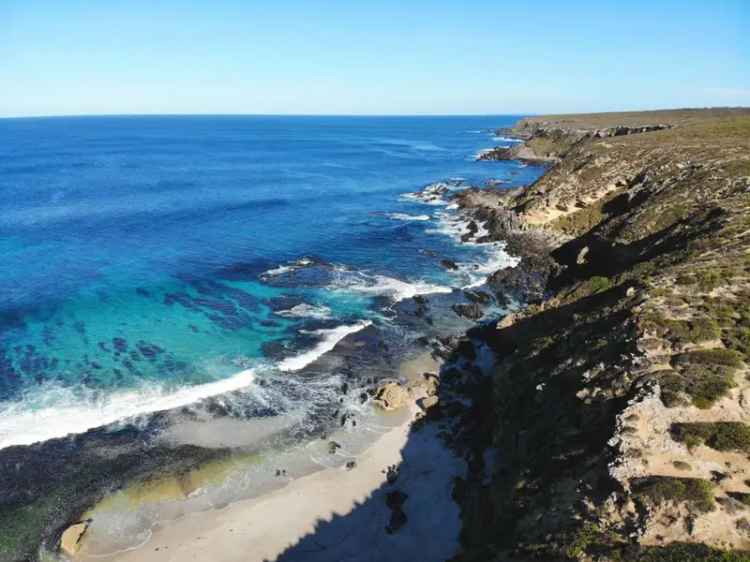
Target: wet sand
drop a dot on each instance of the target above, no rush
(332, 514)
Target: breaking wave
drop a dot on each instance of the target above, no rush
(56, 411)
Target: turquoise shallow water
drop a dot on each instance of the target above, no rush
(134, 250)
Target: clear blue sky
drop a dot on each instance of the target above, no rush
(62, 57)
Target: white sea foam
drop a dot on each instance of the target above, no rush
(304, 310)
(382, 285)
(55, 411)
(433, 193)
(330, 337)
(420, 198)
(482, 152)
(496, 258)
(506, 139)
(281, 269)
(278, 270)
(456, 226)
(408, 217)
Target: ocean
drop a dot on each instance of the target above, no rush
(196, 310)
(151, 262)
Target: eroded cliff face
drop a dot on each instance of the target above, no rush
(620, 394)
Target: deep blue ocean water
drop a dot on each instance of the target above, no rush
(133, 249)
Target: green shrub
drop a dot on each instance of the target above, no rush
(722, 436)
(709, 389)
(706, 385)
(703, 329)
(725, 357)
(738, 339)
(697, 493)
(672, 385)
(586, 535)
(691, 331)
(597, 284)
(689, 552)
(703, 384)
(708, 280)
(681, 465)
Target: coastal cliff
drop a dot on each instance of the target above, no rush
(596, 409)
(618, 423)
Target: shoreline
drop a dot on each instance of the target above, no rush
(274, 524)
(179, 466)
(331, 493)
(567, 434)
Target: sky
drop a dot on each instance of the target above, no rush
(71, 57)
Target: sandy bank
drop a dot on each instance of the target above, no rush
(332, 514)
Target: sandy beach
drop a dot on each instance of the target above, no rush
(332, 514)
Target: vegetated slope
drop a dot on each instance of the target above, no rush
(621, 397)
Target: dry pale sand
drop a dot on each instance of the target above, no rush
(333, 514)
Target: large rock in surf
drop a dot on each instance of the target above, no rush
(70, 541)
(497, 153)
(472, 311)
(391, 396)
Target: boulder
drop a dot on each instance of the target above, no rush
(449, 264)
(391, 396)
(477, 296)
(431, 383)
(427, 402)
(472, 311)
(70, 541)
(507, 321)
(581, 258)
(497, 153)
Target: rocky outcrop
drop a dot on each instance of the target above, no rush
(70, 541)
(472, 311)
(497, 153)
(619, 419)
(391, 396)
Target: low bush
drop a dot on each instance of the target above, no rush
(725, 357)
(597, 284)
(689, 552)
(687, 331)
(697, 493)
(722, 436)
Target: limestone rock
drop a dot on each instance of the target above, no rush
(428, 402)
(391, 396)
(581, 259)
(507, 321)
(70, 542)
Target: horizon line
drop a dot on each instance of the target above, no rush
(208, 114)
(482, 114)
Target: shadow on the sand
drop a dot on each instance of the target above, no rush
(410, 517)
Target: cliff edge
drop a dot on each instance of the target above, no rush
(620, 396)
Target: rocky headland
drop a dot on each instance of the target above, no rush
(617, 427)
(604, 418)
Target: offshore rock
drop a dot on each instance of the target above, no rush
(391, 396)
(70, 541)
(471, 311)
